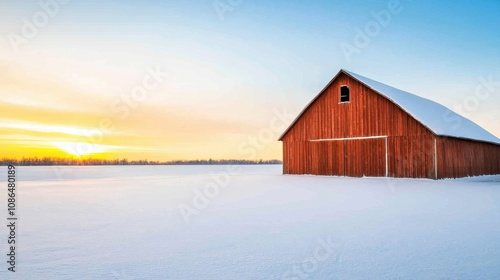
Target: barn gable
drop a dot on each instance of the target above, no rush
(366, 114)
(438, 119)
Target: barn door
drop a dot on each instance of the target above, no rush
(353, 158)
(326, 158)
(365, 157)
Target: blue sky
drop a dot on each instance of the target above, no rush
(259, 57)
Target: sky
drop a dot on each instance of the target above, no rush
(167, 80)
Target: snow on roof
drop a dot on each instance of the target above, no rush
(436, 117)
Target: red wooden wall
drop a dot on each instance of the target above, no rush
(411, 156)
(461, 158)
(355, 158)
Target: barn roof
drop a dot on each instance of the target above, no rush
(436, 117)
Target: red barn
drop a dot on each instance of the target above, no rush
(360, 127)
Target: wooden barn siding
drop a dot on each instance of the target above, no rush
(408, 157)
(461, 158)
(411, 157)
(367, 114)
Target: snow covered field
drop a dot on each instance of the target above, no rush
(184, 222)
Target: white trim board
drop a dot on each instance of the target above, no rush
(352, 138)
(386, 157)
(435, 159)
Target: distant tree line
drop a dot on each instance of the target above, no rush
(91, 161)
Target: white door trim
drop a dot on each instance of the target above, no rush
(386, 157)
(435, 159)
(352, 138)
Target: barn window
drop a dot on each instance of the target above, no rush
(344, 94)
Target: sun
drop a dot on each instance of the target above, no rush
(80, 148)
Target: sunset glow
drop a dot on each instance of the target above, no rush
(80, 148)
(168, 80)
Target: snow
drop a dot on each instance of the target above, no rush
(439, 119)
(124, 222)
